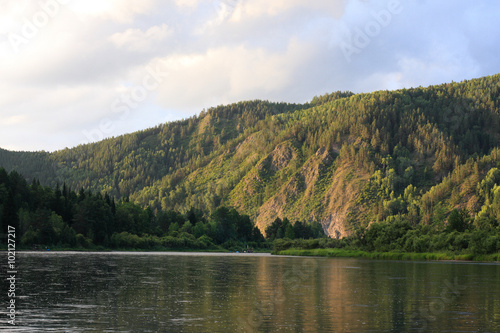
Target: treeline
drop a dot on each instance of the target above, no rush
(62, 217)
(299, 230)
(461, 236)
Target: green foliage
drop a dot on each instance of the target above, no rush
(400, 236)
(385, 237)
(458, 220)
(412, 154)
(90, 219)
(83, 242)
(285, 229)
(387, 255)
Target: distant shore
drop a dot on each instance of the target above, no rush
(389, 255)
(155, 250)
(166, 253)
(331, 253)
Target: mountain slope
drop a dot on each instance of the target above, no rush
(344, 160)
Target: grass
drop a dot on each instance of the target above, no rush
(388, 255)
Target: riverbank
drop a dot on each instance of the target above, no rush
(157, 249)
(333, 253)
(388, 255)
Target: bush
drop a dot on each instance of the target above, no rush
(171, 242)
(150, 242)
(461, 242)
(82, 241)
(233, 245)
(68, 236)
(422, 244)
(30, 237)
(410, 239)
(282, 244)
(483, 243)
(205, 242)
(439, 242)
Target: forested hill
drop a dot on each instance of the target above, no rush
(344, 160)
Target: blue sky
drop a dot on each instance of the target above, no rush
(76, 71)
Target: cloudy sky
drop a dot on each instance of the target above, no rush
(75, 71)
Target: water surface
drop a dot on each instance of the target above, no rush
(186, 292)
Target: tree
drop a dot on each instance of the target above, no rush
(289, 233)
(187, 227)
(199, 229)
(272, 229)
(94, 220)
(173, 229)
(226, 220)
(244, 228)
(458, 220)
(257, 235)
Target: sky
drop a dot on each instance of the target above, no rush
(77, 71)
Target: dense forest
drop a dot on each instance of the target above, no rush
(348, 161)
(60, 217)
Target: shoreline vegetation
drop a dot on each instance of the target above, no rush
(408, 256)
(399, 240)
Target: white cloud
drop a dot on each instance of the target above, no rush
(138, 40)
(123, 11)
(261, 8)
(15, 120)
(228, 74)
(12, 14)
(65, 79)
(187, 3)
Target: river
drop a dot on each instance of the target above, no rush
(195, 292)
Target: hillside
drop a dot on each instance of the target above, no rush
(344, 160)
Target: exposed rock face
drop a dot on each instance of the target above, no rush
(281, 184)
(334, 226)
(340, 201)
(334, 192)
(275, 207)
(279, 158)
